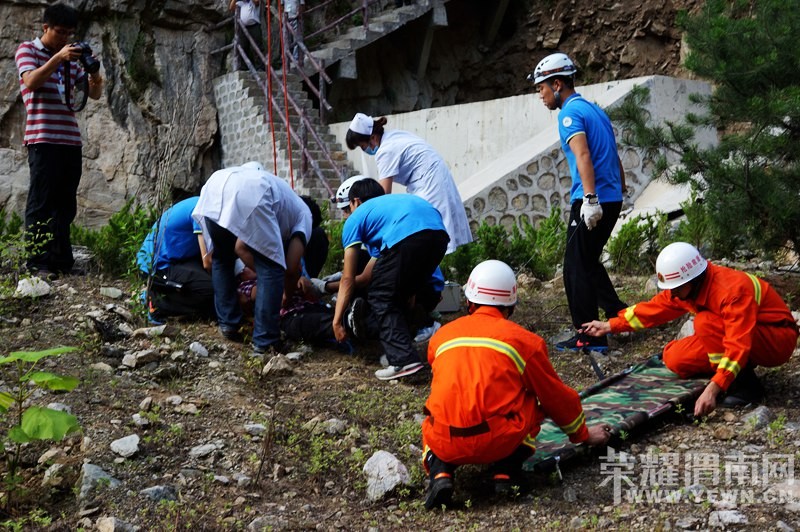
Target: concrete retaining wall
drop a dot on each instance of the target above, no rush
(505, 154)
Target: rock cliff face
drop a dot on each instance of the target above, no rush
(155, 125)
(154, 131)
(469, 62)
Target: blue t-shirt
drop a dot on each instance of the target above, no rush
(175, 239)
(579, 116)
(382, 222)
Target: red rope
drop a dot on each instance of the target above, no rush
(284, 66)
(267, 68)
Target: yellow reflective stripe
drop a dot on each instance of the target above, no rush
(488, 343)
(529, 442)
(630, 316)
(575, 425)
(756, 286)
(730, 365)
(715, 358)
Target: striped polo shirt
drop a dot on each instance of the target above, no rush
(49, 120)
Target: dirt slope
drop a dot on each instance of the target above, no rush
(310, 467)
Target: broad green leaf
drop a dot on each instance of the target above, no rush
(16, 434)
(6, 400)
(35, 356)
(48, 424)
(51, 381)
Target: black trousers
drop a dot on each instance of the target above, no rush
(400, 273)
(255, 32)
(182, 289)
(585, 278)
(314, 324)
(52, 204)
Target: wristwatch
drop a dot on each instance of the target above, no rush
(591, 199)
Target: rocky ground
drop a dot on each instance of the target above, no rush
(187, 432)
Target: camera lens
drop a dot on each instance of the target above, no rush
(90, 64)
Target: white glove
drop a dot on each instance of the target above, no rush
(333, 277)
(319, 285)
(591, 213)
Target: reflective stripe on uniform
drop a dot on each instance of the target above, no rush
(573, 427)
(756, 286)
(488, 343)
(529, 442)
(715, 358)
(730, 365)
(633, 321)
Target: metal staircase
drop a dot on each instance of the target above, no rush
(313, 162)
(342, 48)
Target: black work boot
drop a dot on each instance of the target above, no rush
(744, 390)
(507, 473)
(440, 489)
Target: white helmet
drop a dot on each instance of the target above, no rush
(254, 165)
(492, 282)
(677, 264)
(342, 199)
(557, 64)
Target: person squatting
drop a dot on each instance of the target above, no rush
(259, 246)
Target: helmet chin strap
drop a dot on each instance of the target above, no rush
(556, 94)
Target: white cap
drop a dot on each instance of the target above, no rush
(362, 124)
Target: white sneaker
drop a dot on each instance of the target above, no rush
(384, 361)
(424, 334)
(395, 372)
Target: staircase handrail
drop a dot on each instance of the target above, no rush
(309, 127)
(318, 67)
(300, 112)
(239, 55)
(364, 8)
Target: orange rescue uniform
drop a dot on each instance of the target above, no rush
(493, 384)
(739, 319)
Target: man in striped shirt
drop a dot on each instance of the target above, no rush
(47, 66)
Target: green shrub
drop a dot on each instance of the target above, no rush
(537, 251)
(10, 226)
(697, 228)
(334, 261)
(25, 423)
(633, 250)
(114, 245)
(13, 252)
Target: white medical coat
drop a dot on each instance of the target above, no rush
(259, 208)
(412, 162)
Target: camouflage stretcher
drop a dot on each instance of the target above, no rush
(624, 401)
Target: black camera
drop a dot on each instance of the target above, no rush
(90, 64)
